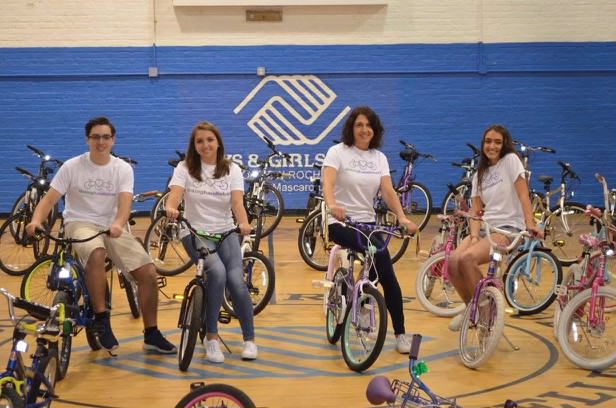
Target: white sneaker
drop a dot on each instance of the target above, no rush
(456, 322)
(249, 352)
(212, 349)
(403, 344)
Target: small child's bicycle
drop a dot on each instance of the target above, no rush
(407, 394)
(215, 395)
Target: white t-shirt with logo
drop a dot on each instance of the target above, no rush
(207, 203)
(501, 203)
(358, 179)
(91, 190)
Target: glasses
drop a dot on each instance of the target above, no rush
(98, 138)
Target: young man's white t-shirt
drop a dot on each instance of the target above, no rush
(91, 190)
(358, 179)
(502, 206)
(207, 203)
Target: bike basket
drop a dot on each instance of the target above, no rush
(409, 155)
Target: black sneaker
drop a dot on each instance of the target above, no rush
(155, 341)
(104, 335)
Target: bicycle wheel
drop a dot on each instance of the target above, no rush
(18, 251)
(417, 204)
(130, 287)
(311, 242)
(362, 345)
(448, 206)
(273, 208)
(46, 367)
(260, 280)
(530, 281)
(478, 341)
(216, 395)
(9, 397)
(64, 345)
(191, 317)
(396, 246)
(564, 296)
(435, 295)
(335, 306)
(34, 284)
(587, 344)
(165, 247)
(563, 230)
(159, 207)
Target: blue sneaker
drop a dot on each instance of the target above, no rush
(155, 341)
(104, 335)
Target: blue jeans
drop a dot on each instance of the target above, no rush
(224, 268)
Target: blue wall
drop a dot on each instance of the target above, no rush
(438, 97)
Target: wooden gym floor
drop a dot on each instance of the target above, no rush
(297, 367)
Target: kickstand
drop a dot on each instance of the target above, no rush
(224, 344)
(513, 346)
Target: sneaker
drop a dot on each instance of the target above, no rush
(212, 350)
(456, 322)
(104, 335)
(249, 352)
(155, 341)
(403, 344)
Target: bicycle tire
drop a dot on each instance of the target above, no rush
(335, 306)
(272, 211)
(65, 341)
(436, 296)
(166, 249)
(18, 251)
(574, 331)
(448, 205)
(191, 318)
(311, 242)
(565, 245)
(261, 285)
(472, 350)
(9, 397)
(396, 246)
(535, 293)
(130, 288)
(419, 208)
(47, 366)
(563, 299)
(360, 349)
(34, 283)
(216, 395)
(158, 207)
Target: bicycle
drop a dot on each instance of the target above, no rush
(260, 187)
(463, 188)
(215, 396)
(484, 318)
(259, 273)
(404, 394)
(159, 205)
(60, 278)
(563, 223)
(354, 309)
(584, 317)
(18, 251)
(433, 287)
(191, 320)
(33, 386)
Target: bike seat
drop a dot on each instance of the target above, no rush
(379, 391)
(546, 179)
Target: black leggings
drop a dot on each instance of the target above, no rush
(347, 238)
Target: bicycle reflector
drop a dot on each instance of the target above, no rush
(21, 346)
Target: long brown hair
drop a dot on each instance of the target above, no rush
(193, 160)
(507, 148)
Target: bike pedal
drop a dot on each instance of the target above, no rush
(224, 317)
(161, 281)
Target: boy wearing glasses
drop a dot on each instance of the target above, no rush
(98, 190)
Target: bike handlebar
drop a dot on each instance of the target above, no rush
(517, 236)
(65, 240)
(366, 230)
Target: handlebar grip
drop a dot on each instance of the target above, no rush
(38, 152)
(36, 309)
(24, 172)
(415, 346)
(548, 150)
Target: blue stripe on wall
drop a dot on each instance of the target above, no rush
(438, 97)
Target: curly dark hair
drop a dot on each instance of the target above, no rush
(375, 123)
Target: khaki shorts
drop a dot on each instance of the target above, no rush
(125, 251)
